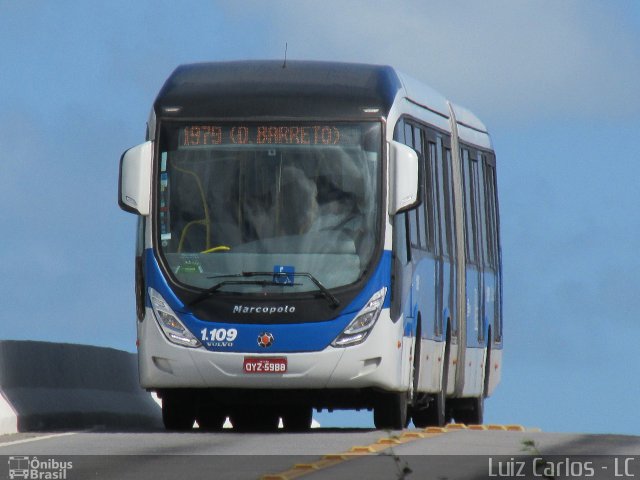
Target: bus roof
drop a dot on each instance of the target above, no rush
(301, 89)
(426, 97)
(266, 88)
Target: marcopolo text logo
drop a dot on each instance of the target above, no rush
(38, 468)
(264, 309)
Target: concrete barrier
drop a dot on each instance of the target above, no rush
(54, 386)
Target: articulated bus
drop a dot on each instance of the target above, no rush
(314, 235)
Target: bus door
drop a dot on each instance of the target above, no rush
(406, 249)
(493, 280)
(422, 232)
(438, 188)
(474, 277)
(429, 227)
(445, 177)
(486, 279)
(438, 154)
(492, 262)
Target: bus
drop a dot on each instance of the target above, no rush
(314, 235)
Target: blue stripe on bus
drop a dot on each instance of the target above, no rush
(301, 337)
(421, 299)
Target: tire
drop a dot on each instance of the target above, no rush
(435, 413)
(390, 411)
(210, 419)
(178, 412)
(469, 411)
(253, 419)
(420, 401)
(416, 361)
(297, 419)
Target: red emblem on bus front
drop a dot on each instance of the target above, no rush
(265, 339)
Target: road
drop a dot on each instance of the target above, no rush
(322, 454)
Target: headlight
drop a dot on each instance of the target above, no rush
(173, 328)
(360, 327)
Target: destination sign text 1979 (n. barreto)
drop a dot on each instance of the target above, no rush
(211, 135)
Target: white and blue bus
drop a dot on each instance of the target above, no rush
(314, 235)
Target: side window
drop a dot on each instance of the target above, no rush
(401, 222)
(408, 134)
(418, 145)
(442, 201)
(480, 210)
(398, 132)
(437, 219)
(414, 222)
(139, 270)
(493, 232)
(430, 204)
(439, 193)
(140, 227)
(450, 211)
(427, 224)
(400, 237)
(417, 139)
(469, 220)
(492, 221)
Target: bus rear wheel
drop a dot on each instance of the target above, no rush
(390, 411)
(469, 411)
(433, 415)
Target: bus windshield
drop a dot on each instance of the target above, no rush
(299, 201)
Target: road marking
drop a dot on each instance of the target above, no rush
(496, 427)
(331, 460)
(36, 439)
(384, 443)
(477, 427)
(456, 426)
(515, 428)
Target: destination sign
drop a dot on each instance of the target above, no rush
(271, 134)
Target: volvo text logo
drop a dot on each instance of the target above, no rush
(265, 339)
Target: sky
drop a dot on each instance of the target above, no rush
(557, 84)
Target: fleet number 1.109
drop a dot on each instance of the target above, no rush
(219, 334)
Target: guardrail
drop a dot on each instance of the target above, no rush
(57, 386)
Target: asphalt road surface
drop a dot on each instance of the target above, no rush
(320, 454)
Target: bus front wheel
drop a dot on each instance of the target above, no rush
(178, 412)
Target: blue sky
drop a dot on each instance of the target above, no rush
(557, 83)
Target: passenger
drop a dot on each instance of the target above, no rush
(340, 215)
(299, 206)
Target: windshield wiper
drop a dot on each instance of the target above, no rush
(333, 301)
(210, 291)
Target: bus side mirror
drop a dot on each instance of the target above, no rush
(403, 177)
(134, 189)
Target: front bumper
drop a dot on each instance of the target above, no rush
(375, 363)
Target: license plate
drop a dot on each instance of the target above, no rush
(265, 365)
